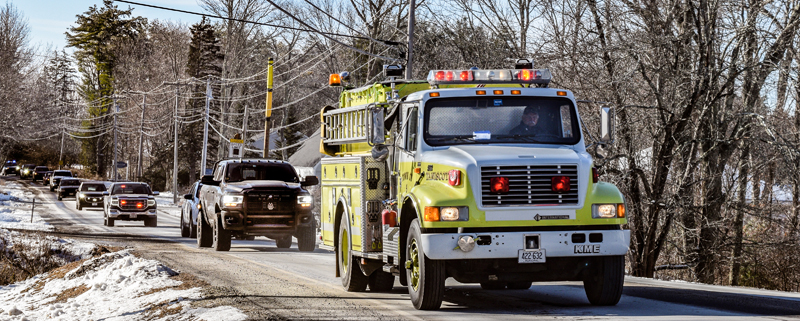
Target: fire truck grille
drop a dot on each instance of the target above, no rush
(529, 185)
(266, 202)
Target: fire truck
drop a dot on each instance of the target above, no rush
(479, 175)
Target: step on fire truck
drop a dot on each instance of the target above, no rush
(478, 175)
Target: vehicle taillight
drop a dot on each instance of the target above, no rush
(455, 177)
(595, 175)
(560, 184)
(499, 185)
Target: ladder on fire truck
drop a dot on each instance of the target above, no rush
(352, 124)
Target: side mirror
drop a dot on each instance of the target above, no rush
(187, 196)
(606, 125)
(310, 181)
(106, 193)
(377, 135)
(155, 193)
(208, 180)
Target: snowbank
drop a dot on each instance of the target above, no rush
(15, 209)
(113, 286)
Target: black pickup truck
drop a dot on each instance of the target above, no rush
(255, 197)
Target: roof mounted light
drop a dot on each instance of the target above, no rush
(490, 76)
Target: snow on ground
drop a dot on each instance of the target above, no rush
(165, 205)
(15, 209)
(113, 286)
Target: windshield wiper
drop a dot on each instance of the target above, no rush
(456, 139)
(524, 138)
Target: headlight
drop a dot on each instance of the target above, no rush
(151, 202)
(608, 210)
(450, 213)
(81, 196)
(114, 201)
(232, 200)
(305, 200)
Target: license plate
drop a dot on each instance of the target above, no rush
(71, 193)
(531, 256)
(133, 215)
(94, 204)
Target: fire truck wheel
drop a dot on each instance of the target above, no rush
(307, 238)
(284, 242)
(353, 279)
(519, 285)
(493, 285)
(425, 276)
(203, 232)
(604, 286)
(380, 281)
(222, 237)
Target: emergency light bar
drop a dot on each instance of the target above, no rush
(490, 76)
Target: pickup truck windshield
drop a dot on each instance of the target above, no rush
(93, 188)
(131, 189)
(258, 171)
(70, 182)
(500, 119)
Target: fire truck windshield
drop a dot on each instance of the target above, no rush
(500, 120)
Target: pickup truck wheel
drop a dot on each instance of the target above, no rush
(203, 232)
(353, 279)
(250, 238)
(380, 281)
(184, 228)
(192, 230)
(78, 205)
(520, 285)
(307, 237)
(59, 197)
(425, 276)
(222, 237)
(604, 285)
(151, 222)
(51, 188)
(284, 242)
(109, 222)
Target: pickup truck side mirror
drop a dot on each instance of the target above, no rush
(155, 193)
(208, 180)
(310, 181)
(187, 196)
(606, 125)
(106, 193)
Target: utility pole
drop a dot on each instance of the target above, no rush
(175, 153)
(61, 154)
(205, 129)
(114, 166)
(268, 111)
(412, 4)
(244, 133)
(141, 139)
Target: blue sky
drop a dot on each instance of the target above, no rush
(50, 19)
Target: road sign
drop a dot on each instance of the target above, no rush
(235, 149)
(122, 164)
(237, 141)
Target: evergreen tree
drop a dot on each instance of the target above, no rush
(97, 33)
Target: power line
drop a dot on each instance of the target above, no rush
(388, 42)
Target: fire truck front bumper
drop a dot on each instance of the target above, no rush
(499, 245)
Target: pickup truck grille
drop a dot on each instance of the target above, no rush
(267, 202)
(130, 204)
(529, 185)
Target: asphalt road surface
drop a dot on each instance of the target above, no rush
(271, 283)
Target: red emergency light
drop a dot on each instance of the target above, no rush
(123, 202)
(139, 205)
(560, 184)
(499, 185)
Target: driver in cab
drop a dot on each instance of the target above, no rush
(527, 126)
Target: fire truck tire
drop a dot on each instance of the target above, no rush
(380, 281)
(203, 232)
(307, 238)
(519, 285)
(604, 287)
(425, 276)
(284, 242)
(353, 279)
(222, 237)
(493, 285)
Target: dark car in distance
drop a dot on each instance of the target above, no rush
(56, 177)
(38, 172)
(68, 187)
(130, 201)
(90, 194)
(46, 178)
(9, 168)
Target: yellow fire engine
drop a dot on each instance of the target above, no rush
(478, 175)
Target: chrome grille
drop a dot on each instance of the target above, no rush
(529, 185)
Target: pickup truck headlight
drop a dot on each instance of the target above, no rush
(305, 200)
(608, 211)
(80, 195)
(151, 202)
(115, 201)
(232, 200)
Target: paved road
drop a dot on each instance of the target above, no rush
(289, 284)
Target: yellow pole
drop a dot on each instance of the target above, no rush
(268, 111)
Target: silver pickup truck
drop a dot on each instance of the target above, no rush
(130, 201)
